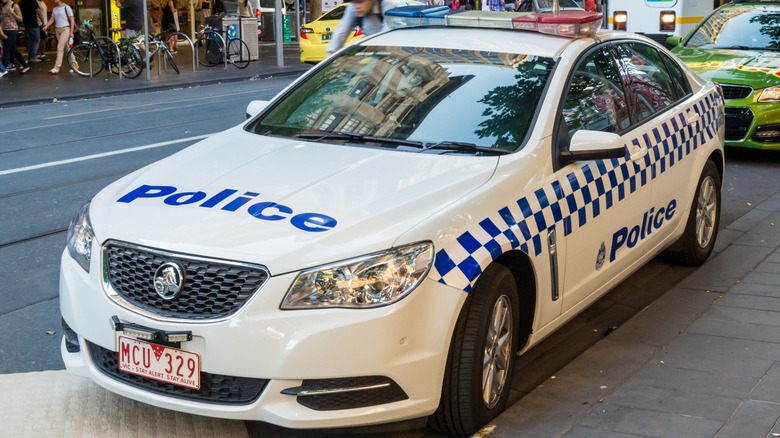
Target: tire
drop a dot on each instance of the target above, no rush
(110, 53)
(171, 61)
(209, 48)
(132, 61)
(84, 59)
(238, 53)
(478, 376)
(701, 229)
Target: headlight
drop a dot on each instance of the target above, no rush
(771, 94)
(80, 237)
(369, 281)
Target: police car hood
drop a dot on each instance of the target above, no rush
(285, 204)
(756, 68)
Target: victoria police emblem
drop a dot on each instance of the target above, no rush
(169, 280)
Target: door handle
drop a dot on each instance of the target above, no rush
(638, 154)
(693, 118)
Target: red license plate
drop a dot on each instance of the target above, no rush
(158, 362)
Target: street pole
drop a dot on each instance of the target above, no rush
(146, 42)
(278, 33)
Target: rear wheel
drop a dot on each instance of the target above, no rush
(132, 61)
(481, 357)
(238, 53)
(85, 60)
(209, 48)
(701, 229)
(171, 61)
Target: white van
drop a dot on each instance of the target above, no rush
(657, 19)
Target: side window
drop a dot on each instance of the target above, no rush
(596, 99)
(679, 79)
(649, 83)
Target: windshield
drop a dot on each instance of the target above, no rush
(739, 28)
(426, 96)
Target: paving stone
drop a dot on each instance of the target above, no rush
(764, 278)
(716, 354)
(770, 204)
(717, 326)
(656, 373)
(725, 238)
(665, 318)
(674, 401)
(748, 220)
(770, 267)
(57, 404)
(774, 258)
(768, 303)
(765, 233)
(647, 423)
(766, 390)
(726, 268)
(746, 288)
(752, 419)
(588, 432)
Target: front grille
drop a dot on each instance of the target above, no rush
(212, 288)
(738, 122)
(350, 399)
(735, 91)
(214, 388)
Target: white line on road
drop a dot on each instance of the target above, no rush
(105, 154)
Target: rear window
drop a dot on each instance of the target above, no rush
(488, 99)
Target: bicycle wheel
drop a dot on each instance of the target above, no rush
(169, 58)
(110, 53)
(85, 60)
(209, 48)
(238, 53)
(132, 61)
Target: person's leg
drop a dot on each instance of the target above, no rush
(6, 52)
(62, 45)
(44, 42)
(13, 36)
(33, 40)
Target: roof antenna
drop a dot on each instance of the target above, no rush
(556, 7)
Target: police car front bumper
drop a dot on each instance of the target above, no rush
(404, 344)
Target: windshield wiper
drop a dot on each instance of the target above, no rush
(354, 136)
(459, 146)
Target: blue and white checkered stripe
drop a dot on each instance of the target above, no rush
(584, 194)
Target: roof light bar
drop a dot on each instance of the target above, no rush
(565, 23)
(576, 24)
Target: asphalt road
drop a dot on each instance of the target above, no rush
(54, 157)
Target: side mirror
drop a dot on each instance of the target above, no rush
(255, 107)
(593, 145)
(673, 41)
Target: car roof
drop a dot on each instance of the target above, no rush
(492, 40)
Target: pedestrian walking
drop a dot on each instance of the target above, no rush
(11, 15)
(365, 14)
(170, 22)
(44, 34)
(31, 16)
(134, 16)
(65, 27)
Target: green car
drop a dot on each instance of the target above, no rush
(738, 47)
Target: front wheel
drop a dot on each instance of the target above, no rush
(85, 60)
(171, 61)
(132, 61)
(481, 357)
(701, 229)
(209, 48)
(238, 53)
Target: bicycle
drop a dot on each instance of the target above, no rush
(159, 44)
(89, 58)
(210, 47)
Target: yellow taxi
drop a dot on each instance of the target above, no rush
(315, 36)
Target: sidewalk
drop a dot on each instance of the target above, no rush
(39, 86)
(703, 360)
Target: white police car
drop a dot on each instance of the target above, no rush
(379, 241)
